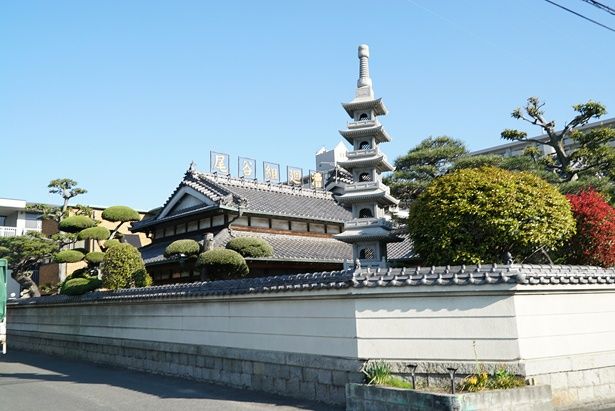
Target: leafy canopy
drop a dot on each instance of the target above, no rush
(220, 264)
(120, 214)
(122, 267)
(250, 247)
(479, 215)
(76, 223)
(184, 247)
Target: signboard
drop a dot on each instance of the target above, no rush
(294, 176)
(316, 180)
(271, 172)
(246, 168)
(219, 163)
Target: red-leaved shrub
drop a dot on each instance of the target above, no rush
(594, 241)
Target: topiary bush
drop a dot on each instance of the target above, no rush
(120, 213)
(594, 241)
(112, 243)
(94, 257)
(94, 233)
(123, 267)
(478, 215)
(250, 247)
(76, 223)
(68, 256)
(80, 285)
(185, 247)
(221, 264)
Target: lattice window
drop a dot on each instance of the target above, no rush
(365, 177)
(365, 213)
(365, 145)
(367, 254)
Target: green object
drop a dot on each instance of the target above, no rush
(3, 294)
(476, 216)
(82, 285)
(187, 247)
(223, 264)
(250, 247)
(122, 267)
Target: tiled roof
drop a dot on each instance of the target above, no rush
(295, 247)
(257, 198)
(400, 277)
(285, 247)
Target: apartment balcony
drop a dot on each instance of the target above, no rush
(6, 231)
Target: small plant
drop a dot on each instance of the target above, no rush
(250, 247)
(500, 379)
(379, 373)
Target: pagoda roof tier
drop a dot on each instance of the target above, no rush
(368, 233)
(378, 161)
(359, 104)
(366, 192)
(377, 131)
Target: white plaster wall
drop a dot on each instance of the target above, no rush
(560, 329)
(314, 326)
(445, 324)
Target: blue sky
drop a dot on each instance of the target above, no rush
(122, 95)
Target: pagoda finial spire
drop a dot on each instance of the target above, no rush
(364, 79)
(364, 84)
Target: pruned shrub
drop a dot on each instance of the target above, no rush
(186, 247)
(94, 257)
(220, 264)
(594, 241)
(250, 247)
(123, 267)
(112, 243)
(79, 273)
(94, 233)
(478, 215)
(120, 213)
(76, 223)
(68, 256)
(80, 285)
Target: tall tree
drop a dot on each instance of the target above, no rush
(431, 158)
(590, 153)
(67, 188)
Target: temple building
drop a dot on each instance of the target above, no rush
(310, 229)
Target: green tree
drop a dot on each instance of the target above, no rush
(480, 215)
(250, 247)
(67, 189)
(123, 267)
(25, 254)
(589, 155)
(222, 264)
(414, 171)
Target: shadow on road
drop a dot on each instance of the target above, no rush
(20, 367)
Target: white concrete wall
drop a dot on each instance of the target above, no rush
(549, 329)
(561, 330)
(321, 326)
(444, 324)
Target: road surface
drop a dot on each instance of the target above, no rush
(30, 381)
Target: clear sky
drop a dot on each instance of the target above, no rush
(122, 95)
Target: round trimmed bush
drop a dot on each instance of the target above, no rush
(120, 213)
(250, 247)
(478, 215)
(122, 266)
(186, 247)
(94, 257)
(76, 223)
(78, 273)
(68, 256)
(222, 264)
(112, 243)
(94, 233)
(80, 285)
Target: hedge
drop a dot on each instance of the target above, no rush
(94, 233)
(120, 213)
(68, 256)
(76, 223)
(186, 247)
(80, 285)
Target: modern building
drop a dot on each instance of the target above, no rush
(16, 219)
(516, 148)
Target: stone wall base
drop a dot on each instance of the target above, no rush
(312, 377)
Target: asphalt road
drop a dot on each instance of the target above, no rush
(31, 381)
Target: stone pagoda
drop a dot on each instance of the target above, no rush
(371, 227)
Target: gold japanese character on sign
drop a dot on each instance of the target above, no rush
(246, 168)
(271, 173)
(294, 176)
(316, 180)
(220, 163)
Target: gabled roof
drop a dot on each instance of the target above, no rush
(252, 197)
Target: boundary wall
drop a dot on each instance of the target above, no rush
(308, 335)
